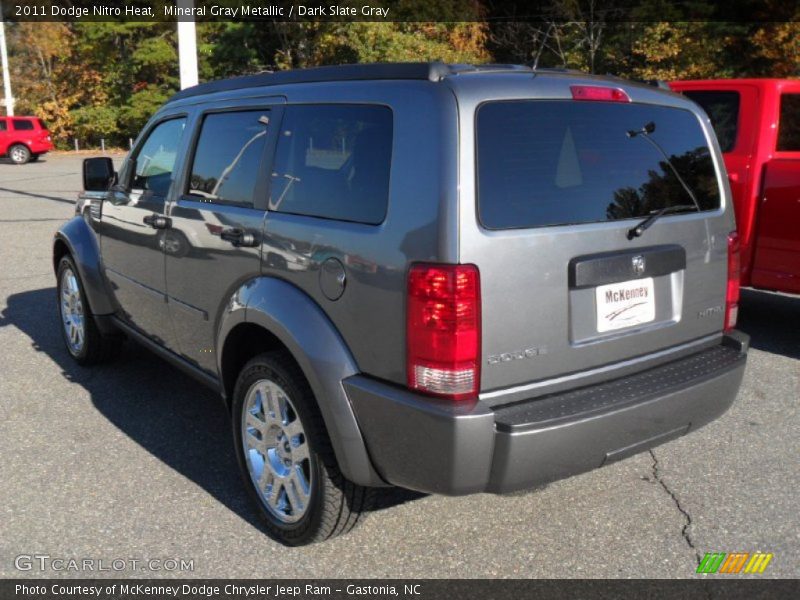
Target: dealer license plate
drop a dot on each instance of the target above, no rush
(625, 304)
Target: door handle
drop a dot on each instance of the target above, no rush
(239, 237)
(157, 221)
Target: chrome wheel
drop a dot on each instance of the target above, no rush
(18, 154)
(72, 312)
(276, 450)
(172, 245)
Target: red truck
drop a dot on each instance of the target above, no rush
(23, 139)
(757, 122)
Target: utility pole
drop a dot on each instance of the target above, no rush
(187, 44)
(4, 59)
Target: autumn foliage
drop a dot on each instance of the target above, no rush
(104, 80)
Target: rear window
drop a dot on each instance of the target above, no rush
(789, 125)
(543, 162)
(42, 124)
(23, 125)
(333, 162)
(723, 110)
(2, 125)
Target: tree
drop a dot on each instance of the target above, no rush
(776, 49)
(669, 51)
(91, 123)
(398, 42)
(49, 77)
(138, 62)
(105, 79)
(568, 33)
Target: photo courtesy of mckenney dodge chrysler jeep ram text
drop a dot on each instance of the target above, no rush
(452, 279)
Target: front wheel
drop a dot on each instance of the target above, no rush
(286, 458)
(19, 154)
(78, 328)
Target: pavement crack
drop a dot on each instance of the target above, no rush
(686, 516)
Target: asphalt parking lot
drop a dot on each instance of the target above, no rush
(134, 460)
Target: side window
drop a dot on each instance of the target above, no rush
(2, 125)
(228, 155)
(333, 161)
(155, 159)
(23, 125)
(789, 124)
(722, 109)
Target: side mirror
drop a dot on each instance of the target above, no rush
(98, 174)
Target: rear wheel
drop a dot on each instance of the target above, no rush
(19, 154)
(286, 458)
(78, 328)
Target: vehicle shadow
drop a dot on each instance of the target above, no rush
(772, 320)
(7, 161)
(179, 421)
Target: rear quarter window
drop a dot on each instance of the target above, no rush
(23, 125)
(333, 162)
(789, 124)
(543, 163)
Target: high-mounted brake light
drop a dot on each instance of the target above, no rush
(443, 330)
(598, 93)
(734, 281)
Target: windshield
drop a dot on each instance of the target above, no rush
(543, 162)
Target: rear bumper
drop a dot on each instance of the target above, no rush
(40, 147)
(432, 446)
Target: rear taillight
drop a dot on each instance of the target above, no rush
(732, 295)
(598, 93)
(443, 330)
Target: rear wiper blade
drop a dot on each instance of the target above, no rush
(655, 215)
(645, 132)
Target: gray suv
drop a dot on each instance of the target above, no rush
(449, 278)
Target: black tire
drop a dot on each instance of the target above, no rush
(175, 243)
(19, 154)
(95, 347)
(335, 504)
(35, 157)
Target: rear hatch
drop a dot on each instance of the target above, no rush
(43, 133)
(568, 287)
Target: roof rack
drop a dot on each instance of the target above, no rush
(432, 71)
